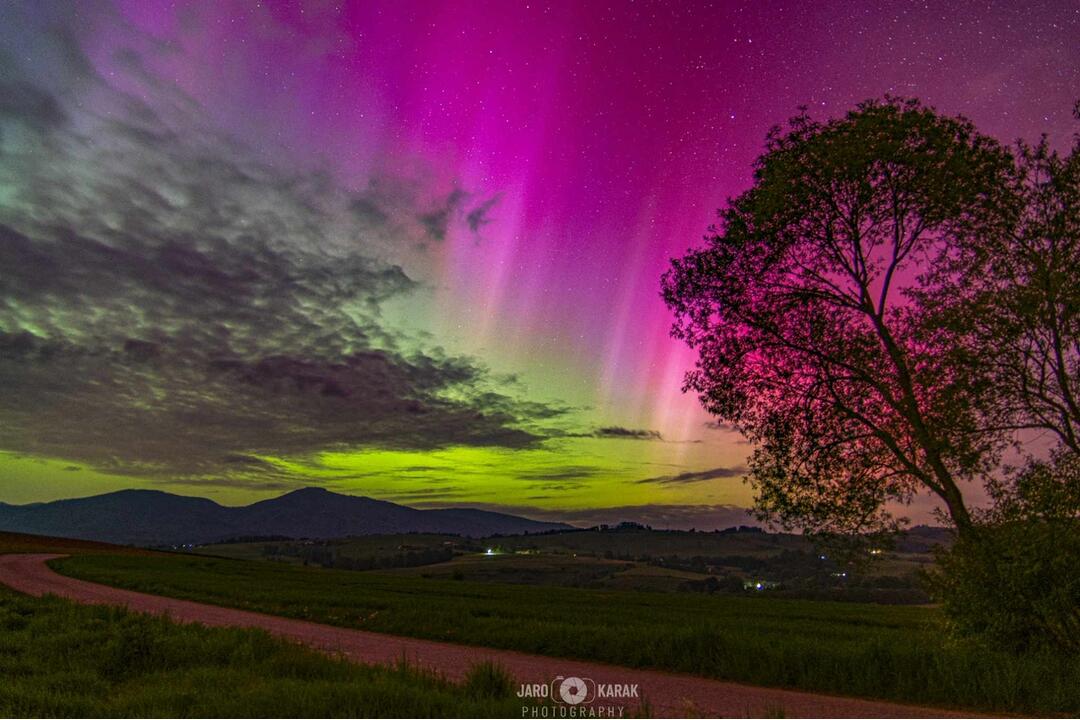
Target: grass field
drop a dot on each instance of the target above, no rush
(634, 559)
(20, 543)
(58, 659)
(895, 653)
(547, 567)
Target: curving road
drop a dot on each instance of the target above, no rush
(670, 695)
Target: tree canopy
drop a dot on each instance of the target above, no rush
(817, 336)
(1014, 295)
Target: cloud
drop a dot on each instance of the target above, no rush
(478, 217)
(437, 222)
(21, 101)
(721, 426)
(627, 433)
(260, 484)
(727, 428)
(172, 307)
(697, 476)
(560, 473)
(409, 497)
(668, 517)
(562, 486)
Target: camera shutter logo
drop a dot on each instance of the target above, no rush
(573, 690)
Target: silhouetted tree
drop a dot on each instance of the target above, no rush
(1015, 296)
(814, 336)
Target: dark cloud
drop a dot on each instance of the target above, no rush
(172, 307)
(698, 476)
(478, 217)
(727, 428)
(437, 221)
(410, 497)
(721, 426)
(571, 472)
(244, 483)
(562, 486)
(669, 517)
(23, 102)
(368, 211)
(627, 433)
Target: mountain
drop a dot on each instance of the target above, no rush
(153, 518)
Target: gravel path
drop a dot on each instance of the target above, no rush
(670, 695)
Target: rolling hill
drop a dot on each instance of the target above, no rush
(154, 518)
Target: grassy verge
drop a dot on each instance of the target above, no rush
(19, 543)
(888, 652)
(58, 659)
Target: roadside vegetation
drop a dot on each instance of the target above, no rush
(893, 653)
(59, 659)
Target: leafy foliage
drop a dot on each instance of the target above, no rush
(1014, 583)
(1013, 296)
(805, 309)
(1046, 491)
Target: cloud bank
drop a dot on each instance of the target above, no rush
(684, 478)
(659, 516)
(173, 307)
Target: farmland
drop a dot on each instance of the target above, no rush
(866, 650)
(59, 659)
(622, 559)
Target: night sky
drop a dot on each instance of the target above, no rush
(412, 250)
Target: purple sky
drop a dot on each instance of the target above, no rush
(607, 133)
(592, 141)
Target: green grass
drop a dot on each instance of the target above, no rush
(887, 652)
(58, 659)
(20, 543)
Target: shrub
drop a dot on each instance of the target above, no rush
(1014, 585)
(489, 680)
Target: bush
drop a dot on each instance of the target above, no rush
(489, 680)
(1014, 585)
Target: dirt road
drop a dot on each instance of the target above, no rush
(670, 695)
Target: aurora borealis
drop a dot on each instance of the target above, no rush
(412, 250)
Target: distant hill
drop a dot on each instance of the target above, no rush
(154, 518)
(923, 538)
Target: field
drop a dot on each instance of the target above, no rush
(59, 659)
(895, 653)
(556, 570)
(620, 559)
(20, 543)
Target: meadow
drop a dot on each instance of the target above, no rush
(623, 559)
(59, 659)
(20, 543)
(887, 652)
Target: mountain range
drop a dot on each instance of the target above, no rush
(153, 518)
